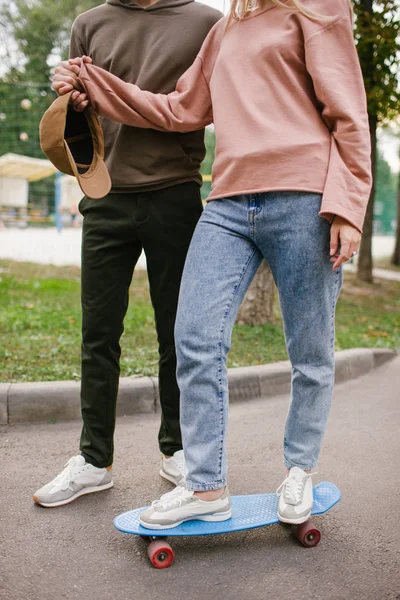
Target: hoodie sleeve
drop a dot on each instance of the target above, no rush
(188, 108)
(332, 62)
(76, 46)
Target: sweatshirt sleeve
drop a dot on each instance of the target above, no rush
(332, 62)
(188, 108)
(76, 46)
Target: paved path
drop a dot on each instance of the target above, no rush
(378, 273)
(47, 246)
(386, 274)
(74, 553)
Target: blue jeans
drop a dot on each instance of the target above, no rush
(229, 243)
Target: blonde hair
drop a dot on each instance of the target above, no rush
(241, 8)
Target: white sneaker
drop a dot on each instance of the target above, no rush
(77, 479)
(296, 497)
(181, 505)
(173, 469)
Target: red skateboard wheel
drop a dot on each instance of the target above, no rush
(160, 554)
(308, 535)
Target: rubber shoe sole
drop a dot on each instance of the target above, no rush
(88, 490)
(210, 518)
(298, 521)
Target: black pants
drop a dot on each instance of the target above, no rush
(115, 230)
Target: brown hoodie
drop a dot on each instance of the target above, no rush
(150, 47)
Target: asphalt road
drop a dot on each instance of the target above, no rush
(74, 552)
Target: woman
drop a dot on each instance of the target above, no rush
(291, 181)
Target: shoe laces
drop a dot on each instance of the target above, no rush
(174, 498)
(71, 469)
(292, 488)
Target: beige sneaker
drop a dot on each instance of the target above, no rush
(296, 497)
(77, 479)
(173, 469)
(181, 505)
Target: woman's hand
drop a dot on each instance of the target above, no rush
(66, 79)
(345, 241)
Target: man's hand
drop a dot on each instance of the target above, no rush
(345, 241)
(66, 79)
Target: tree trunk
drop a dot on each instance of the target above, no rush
(364, 272)
(396, 253)
(258, 305)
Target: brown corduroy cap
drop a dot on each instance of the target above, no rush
(74, 143)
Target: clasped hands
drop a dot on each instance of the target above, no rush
(66, 79)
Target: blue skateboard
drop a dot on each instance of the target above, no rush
(248, 512)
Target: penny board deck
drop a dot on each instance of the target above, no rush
(248, 512)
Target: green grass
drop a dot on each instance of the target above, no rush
(40, 325)
(368, 316)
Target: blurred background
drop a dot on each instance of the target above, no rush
(34, 36)
(40, 223)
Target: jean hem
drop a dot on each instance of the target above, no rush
(290, 465)
(205, 487)
(103, 465)
(170, 451)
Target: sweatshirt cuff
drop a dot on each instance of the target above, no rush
(329, 210)
(84, 79)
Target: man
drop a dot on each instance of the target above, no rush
(154, 206)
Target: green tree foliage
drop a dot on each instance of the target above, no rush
(31, 33)
(377, 36)
(37, 29)
(40, 29)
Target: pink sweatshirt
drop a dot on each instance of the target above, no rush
(287, 99)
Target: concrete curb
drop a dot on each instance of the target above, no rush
(60, 400)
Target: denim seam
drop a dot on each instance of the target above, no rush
(222, 332)
(335, 298)
(253, 210)
(251, 223)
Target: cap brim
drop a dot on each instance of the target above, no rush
(96, 183)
